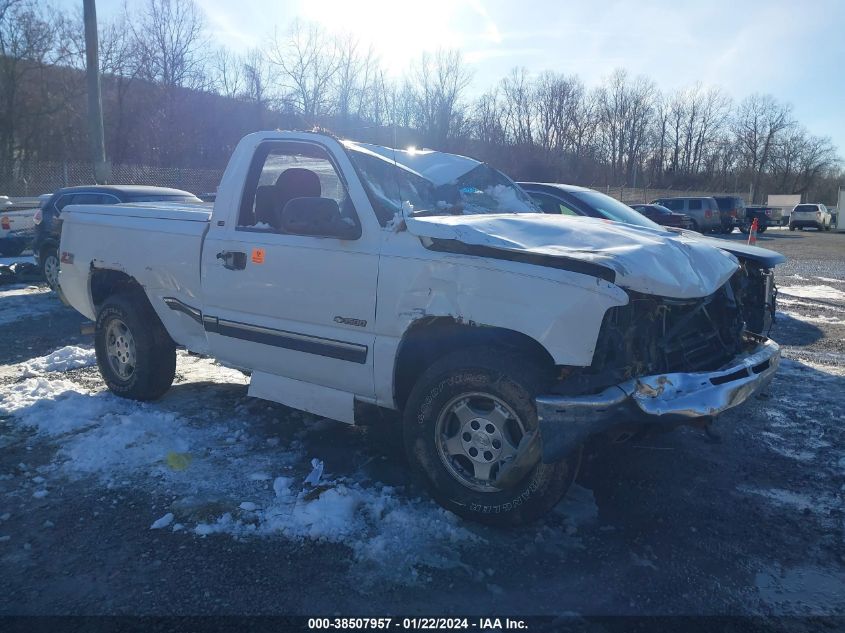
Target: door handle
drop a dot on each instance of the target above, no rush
(233, 260)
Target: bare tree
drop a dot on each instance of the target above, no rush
(438, 82)
(171, 39)
(307, 60)
(518, 102)
(626, 108)
(227, 73)
(758, 125)
(26, 44)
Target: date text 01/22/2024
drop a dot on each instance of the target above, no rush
(418, 623)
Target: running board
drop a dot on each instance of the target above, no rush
(305, 396)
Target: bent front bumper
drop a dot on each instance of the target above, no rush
(662, 399)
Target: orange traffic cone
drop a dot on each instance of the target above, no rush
(752, 234)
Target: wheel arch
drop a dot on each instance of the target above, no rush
(106, 282)
(428, 339)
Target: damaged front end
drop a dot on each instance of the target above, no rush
(660, 361)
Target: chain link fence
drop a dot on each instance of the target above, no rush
(631, 195)
(33, 179)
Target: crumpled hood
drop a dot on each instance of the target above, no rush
(645, 260)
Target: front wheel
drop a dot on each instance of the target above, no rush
(135, 354)
(471, 435)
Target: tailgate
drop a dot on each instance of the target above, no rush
(17, 223)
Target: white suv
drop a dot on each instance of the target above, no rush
(815, 215)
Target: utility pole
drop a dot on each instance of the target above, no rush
(95, 100)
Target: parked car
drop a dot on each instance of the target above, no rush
(704, 212)
(765, 216)
(760, 304)
(49, 225)
(731, 212)
(17, 225)
(814, 215)
(663, 216)
(505, 336)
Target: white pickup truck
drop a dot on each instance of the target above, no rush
(346, 277)
(17, 225)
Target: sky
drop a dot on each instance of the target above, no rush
(794, 50)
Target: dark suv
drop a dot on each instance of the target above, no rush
(48, 225)
(731, 211)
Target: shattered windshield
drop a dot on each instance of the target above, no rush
(482, 189)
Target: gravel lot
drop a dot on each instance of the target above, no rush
(675, 524)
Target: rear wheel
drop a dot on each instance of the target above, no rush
(694, 226)
(762, 228)
(791, 227)
(50, 266)
(135, 354)
(470, 419)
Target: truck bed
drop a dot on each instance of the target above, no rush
(158, 244)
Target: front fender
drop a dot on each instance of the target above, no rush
(561, 310)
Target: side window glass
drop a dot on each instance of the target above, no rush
(552, 205)
(62, 202)
(674, 205)
(695, 205)
(548, 204)
(288, 173)
(87, 198)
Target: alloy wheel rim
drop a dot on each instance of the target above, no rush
(120, 349)
(476, 435)
(51, 271)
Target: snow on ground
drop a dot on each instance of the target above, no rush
(23, 301)
(806, 304)
(69, 357)
(830, 280)
(813, 292)
(225, 477)
(828, 320)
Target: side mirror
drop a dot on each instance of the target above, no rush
(319, 217)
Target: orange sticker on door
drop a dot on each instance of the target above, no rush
(257, 255)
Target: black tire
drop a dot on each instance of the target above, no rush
(791, 227)
(153, 351)
(513, 380)
(49, 262)
(694, 226)
(762, 228)
(744, 229)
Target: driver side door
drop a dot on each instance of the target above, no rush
(297, 306)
